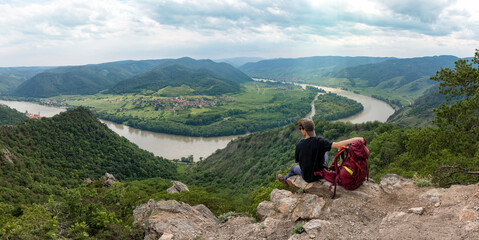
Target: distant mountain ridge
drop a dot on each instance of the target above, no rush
(86, 79)
(306, 67)
(90, 79)
(201, 77)
(198, 82)
(12, 77)
(408, 69)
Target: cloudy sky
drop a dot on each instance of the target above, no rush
(72, 32)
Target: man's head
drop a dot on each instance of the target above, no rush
(308, 125)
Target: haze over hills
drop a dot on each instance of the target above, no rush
(90, 79)
(12, 77)
(395, 72)
(307, 67)
(238, 61)
(397, 81)
(86, 79)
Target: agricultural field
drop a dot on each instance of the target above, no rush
(258, 106)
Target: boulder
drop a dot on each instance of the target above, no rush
(277, 194)
(296, 182)
(417, 210)
(314, 224)
(177, 187)
(286, 205)
(108, 180)
(172, 218)
(310, 207)
(264, 209)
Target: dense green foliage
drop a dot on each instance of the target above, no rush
(303, 68)
(42, 165)
(450, 149)
(421, 112)
(10, 116)
(39, 155)
(86, 79)
(201, 82)
(331, 106)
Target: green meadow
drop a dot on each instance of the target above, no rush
(258, 106)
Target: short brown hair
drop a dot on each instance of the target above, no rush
(306, 123)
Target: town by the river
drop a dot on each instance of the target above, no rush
(174, 147)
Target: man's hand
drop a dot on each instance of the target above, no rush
(346, 142)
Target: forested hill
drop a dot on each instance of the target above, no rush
(421, 112)
(86, 79)
(12, 77)
(304, 68)
(197, 82)
(10, 116)
(90, 79)
(222, 70)
(38, 155)
(405, 70)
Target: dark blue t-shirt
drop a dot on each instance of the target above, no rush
(310, 156)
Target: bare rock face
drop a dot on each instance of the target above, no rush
(108, 180)
(172, 220)
(88, 181)
(177, 187)
(7, 155)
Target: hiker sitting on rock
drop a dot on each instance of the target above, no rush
(311, 152)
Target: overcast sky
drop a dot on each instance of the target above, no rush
(73, 32)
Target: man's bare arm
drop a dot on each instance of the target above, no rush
(346, 142)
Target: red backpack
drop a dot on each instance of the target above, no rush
(350, 167)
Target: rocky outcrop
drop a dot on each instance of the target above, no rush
(108, 180)
(395, 208)
(325, 189)
(172, 218)
(88, 181)
(6, 155)
(177, 187)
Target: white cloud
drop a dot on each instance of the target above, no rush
(59, 32)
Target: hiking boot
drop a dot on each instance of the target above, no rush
(281, 179)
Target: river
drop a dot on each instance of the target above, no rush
(174, 147)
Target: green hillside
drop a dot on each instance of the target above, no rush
(396, 81)
(199, 82)
(10, 116)
(223, 70)
(63, 151)
(421, 112)
(86, 79)
(303, 69)
(12, 77)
